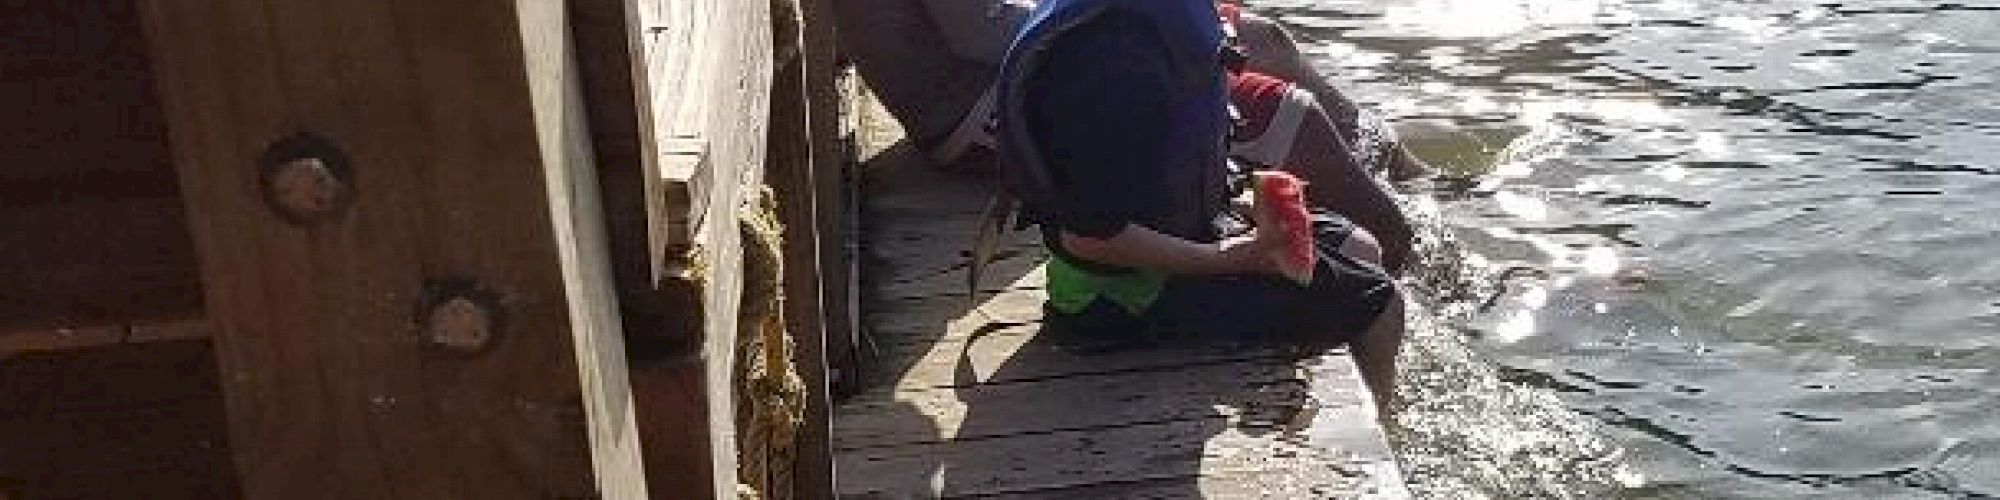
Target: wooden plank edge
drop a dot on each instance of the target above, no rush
(65, 339)
(576, 211)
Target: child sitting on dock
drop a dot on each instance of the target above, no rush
(930, 62)
(1112, 123)
(1278, 81)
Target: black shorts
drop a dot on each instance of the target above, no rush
(1343, 299)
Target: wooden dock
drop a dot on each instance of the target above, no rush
(969, 399)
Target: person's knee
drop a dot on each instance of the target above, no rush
(1262, 33)
(1270, 47)
(1362, 245)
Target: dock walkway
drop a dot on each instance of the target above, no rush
(967, 399)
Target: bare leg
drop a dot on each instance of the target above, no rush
(1273, 52)
(1376, 350)
(1335, 182)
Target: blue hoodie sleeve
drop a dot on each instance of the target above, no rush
(1099, 107)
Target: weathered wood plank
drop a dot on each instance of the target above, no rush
(658, 323)
(672, 401)
(803, 155)
(121, 421)
(951, 315)
(711, 92)
(455, 119)
(792, 170)
(583, 249)
(59, 339)
(87, 198)
(852, 347)
(1014, 353)
(664, 320)
(905, 252)
(1011, 268)
(1269, 385)
(79, 262)
(814, 476)
(1078, 460)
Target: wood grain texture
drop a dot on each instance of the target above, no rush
(1113, 399)
(664, 319)
(672, 400)
(1046, 465)
(469, 151)
(658, 323)
(88, 201)
(119, 421)
(823, 348)
(711, 66)
(1003, 354)
(793, 167)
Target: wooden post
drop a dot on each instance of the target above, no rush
(402, 248)
(677, 99)
(709, 67)
(664, 322)
(793, 169)
(830, 160)
(822, 339)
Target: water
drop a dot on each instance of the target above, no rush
(1701, 248)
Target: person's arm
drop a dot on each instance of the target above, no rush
(1139, 247)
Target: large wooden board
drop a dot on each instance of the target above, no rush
(1111, 399)
(465, 132)
(800, 160)
(88, 204)
(1014, 353)
(120, 421)
(1055, 462)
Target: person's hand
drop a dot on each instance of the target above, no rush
(1259, 252)
(1280, 214)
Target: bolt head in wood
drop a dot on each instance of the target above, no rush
(304, 186)
(457, 317)
(305, 179)
(459, 324)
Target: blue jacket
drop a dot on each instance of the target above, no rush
(1193, 42)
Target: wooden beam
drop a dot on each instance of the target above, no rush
(824, 347)
(659, 323)
(711, 66)
(87, 196)
(433, 314)
(793, 169)
(681, 155)
(664, 320)
(116, 421)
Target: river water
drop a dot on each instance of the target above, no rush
(1694, 248)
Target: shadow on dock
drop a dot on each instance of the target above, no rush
(971, 398)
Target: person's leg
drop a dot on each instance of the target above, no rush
(910, 66)
(1350, 302)
(1376, 350)
(1336, 182)
(1273, 51)
(1284, 127)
